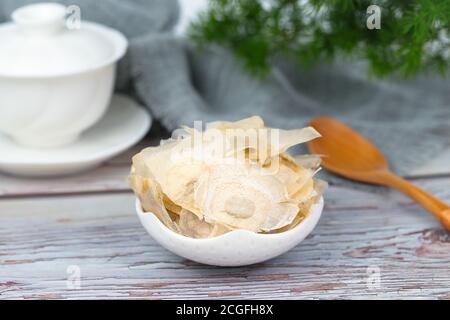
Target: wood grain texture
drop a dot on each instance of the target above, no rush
(41, 236)
(109, 177)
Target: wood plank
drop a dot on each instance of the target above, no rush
(41, 237)
(437, 166)
(102, 179)
(110, 176)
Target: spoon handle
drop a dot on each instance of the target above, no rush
(437, 207)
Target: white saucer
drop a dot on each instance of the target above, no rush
(124, 124)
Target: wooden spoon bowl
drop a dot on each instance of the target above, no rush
(347, 153)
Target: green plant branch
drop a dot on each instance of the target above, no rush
(414, 34)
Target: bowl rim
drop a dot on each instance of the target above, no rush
(314, 212)
(117, 39)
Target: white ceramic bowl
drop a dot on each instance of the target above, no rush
(236, 248)
(54, 85)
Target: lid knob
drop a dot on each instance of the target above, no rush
(40, 19)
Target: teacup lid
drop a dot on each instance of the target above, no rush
(39, 44)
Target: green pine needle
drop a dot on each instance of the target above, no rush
(414, 35)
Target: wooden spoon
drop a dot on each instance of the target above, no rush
(349, 154)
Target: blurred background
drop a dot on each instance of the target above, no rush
(380, 66)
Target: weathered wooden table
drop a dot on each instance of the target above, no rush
(78, 237)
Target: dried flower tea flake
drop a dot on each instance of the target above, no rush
(233, 175)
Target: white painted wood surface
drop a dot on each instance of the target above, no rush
(110, 177)
(88, 221)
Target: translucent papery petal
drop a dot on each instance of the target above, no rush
(291, 174)
(278, 140)
(263, 144)
(254, 122)
(175, 169)
(319, 186)
(244, 197)
(308, 161)
(151, 198)
(219, 229)
(180, 182)
(192, 226)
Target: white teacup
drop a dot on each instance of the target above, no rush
(54, 82)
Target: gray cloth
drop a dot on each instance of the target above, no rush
(408, 120)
